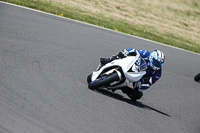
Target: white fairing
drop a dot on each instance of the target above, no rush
(129, 67)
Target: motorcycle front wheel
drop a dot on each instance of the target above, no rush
(103, 81)
(89, 78)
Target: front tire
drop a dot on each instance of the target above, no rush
(197, 77)
(103, 81)
(89, 78)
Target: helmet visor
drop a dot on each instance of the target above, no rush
(156, 63)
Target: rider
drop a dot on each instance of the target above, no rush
(154, 62)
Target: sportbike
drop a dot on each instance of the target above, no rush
(118, 73)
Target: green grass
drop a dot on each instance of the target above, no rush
(144, 31)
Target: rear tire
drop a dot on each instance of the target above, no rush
(135, 96)
(103, 81)
(197, 77)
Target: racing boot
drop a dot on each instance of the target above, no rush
(103, 61)
(107, 60)
(122, 54)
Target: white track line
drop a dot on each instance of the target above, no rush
(97, 27)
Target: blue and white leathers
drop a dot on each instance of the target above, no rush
(151, 75)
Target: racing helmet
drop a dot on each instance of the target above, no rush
(157, 58)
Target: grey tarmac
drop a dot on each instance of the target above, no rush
(44, 63)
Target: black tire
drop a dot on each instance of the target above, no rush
(89, 78)
(103, 81)
(135, 96)
(197, 77)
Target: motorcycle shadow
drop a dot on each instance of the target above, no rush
(124, 99)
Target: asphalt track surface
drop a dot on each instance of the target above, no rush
(44, 63)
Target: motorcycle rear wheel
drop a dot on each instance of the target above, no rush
(103, 81)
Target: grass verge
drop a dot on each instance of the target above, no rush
(145, 31)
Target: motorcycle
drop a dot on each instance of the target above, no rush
(118, 73)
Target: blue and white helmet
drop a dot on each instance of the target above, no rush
(157, 58)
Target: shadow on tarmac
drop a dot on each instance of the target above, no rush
(121, 98)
